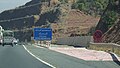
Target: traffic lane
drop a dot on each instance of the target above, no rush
(64, 61)
(18, 57)
(59, 60)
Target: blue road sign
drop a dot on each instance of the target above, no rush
(42, 34)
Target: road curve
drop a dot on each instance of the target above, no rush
(18, 57)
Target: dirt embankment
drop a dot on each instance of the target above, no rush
(76, 22)
(113, 34)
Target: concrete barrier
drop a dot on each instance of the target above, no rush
(108, 47)
(75, 41)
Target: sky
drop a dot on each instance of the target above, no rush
(11, 4)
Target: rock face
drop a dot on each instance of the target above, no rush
(111, 12)
(113, 33)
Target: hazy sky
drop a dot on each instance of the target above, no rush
(10, 4)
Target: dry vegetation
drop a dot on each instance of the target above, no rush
(76, 22)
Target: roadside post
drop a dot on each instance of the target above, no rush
(26, 41)
(43, 34)
(48, 43)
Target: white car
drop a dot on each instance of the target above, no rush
(15, 41)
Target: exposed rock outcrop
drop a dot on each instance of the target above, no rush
(111, 34)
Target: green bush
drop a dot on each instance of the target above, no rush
(91, 6)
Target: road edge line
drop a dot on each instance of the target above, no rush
(38, 58)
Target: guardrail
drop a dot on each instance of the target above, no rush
(107, 47)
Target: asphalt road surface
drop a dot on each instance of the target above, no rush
(60, 60)
(18, 57)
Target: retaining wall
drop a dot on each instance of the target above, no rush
(108, 47)
(75, 41)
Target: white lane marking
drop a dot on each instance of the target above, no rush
(115, 56)
(38, 58)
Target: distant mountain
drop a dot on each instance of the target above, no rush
(30, 8)
(8, 4)
(33, 13)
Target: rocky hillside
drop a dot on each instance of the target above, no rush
(76, 23)
(109, 16)
(32, 14)
(40, 13)
(113, 34)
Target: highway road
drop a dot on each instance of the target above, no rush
(18, 57)
(60, 60)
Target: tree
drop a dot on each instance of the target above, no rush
(109, 16)
(95, 6)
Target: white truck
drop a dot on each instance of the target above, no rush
(1, 35)
(8, 38)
